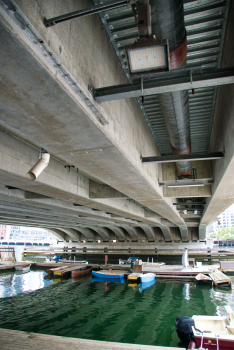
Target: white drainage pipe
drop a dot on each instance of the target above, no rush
(39, 166)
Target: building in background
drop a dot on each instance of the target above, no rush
(225, 220)
(4, 232)
(30, 234)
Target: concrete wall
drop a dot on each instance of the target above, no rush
(222, 137)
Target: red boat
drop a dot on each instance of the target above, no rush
(84, 270)
(208, 332)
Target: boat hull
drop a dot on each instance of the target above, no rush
(210, 342)
(23, 268)
(207, 332)
(148, 277)
(106, 275)
(145, 285)
(78, 273)
(51, 271)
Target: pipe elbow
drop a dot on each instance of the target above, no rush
(37, 169)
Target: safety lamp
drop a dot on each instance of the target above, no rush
(148, 56)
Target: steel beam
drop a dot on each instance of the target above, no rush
(179, 79)
(192, 203)
(187, 157)
(85, 12)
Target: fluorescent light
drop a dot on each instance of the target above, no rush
(185, 185)
(147, 58)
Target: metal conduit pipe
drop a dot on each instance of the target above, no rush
(167, 20)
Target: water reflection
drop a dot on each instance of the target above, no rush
(17, 282)
(186, 291)
(109, 311)
(111, 280)
(145, 285)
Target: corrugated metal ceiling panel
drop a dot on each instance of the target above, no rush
(205, 23)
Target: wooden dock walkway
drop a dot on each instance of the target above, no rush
(67, 270)
(11, 340)
(161, 271)
(220, 278)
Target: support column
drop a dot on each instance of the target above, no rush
(184, 233)
(166, 232)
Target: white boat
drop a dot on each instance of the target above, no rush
(147, 277)
(25, 267)
(201, 278)
(185, 261)
(209, 332)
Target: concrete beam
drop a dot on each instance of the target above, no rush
(149, 232)
(78, 119)
(203, 171)
(87, 232)
(132, 231)
(103, 191)
(119, 232)
(102, 231)
(202, 232)
(151, 214)
(60, 234)
(71, 232)
(166, 233)
(33, 195)
(222, 139)
(184, 233)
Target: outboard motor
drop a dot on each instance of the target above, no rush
(183, 325)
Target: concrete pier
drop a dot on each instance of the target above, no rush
(28, 341)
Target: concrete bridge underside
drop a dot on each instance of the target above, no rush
(95, 187)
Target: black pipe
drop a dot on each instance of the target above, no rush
(167, 19)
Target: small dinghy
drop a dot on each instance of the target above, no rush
(147, 277)
(24, 268)
(109, 274)
(201, 278)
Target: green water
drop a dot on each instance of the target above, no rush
(105, 311)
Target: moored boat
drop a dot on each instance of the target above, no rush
(147, 277)
(108, 274)
(209, 332)
(50, 271)
(201, 278)
(84, 270)
(25, 267)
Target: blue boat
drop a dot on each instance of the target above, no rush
(114, 280)
(57, 258)
(130, 259)
(108, 274)
(147, 277)
(145, 285)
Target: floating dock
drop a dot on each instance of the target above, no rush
(134, 276)
(11, 340)
(220, 278)
(67, 271)
(161, 270)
